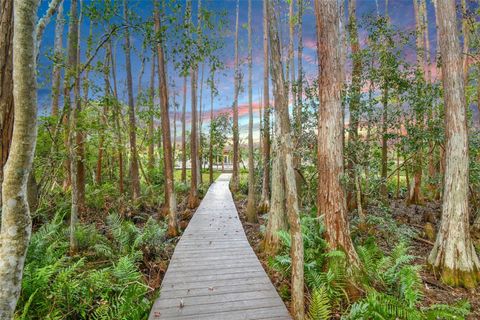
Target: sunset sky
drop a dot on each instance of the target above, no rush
(400, 11)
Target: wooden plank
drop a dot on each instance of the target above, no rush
(214, 273)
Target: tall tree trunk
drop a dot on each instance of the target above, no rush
(16, 225)
(277, 216)
(80, 134)
(72, 74)
(453, 256)
(103, 118)
(290, 70)
(466, 40)
(264, 200)
(200, 125)
(384, 161)
(170, 201)
(135, 183)
(415, 196)
(251, 208)
(57, 56)
(432, 170)
(117, 112)
(174, 142)
(286, 147)
(210, 151)
(299, 85)
(151, 129)
(235, 175)
(184, 142)
(6, 83)
(193, 199)
(355, 94)
(331, 194)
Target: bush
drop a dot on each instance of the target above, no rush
(392, 282)
(102, 282)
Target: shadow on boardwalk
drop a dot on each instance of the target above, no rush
(214, 273)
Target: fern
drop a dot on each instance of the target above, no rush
(458, 311)
(56, 286)
(319, 308)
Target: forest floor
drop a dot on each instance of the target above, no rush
(417, 218)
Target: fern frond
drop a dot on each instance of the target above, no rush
(320, 308)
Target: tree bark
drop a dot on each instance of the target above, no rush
(277, 217)
(210, 151)
(200, 125)
(6, 83)
(264, 205)
(286, 147)
(193, 199)
(415, 195)
(72, 74)
(116, 115)
(135, 183)
(355, 94)
(466, 41)
(16, 221)
(235, 174)
(331, 193)
(80, 134)
(57, 56)
(151, 129)
(251, 207)
(290, 69)
(170, 201)
(453, 256)
(184, 142)
(103, 117)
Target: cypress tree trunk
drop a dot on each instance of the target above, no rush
(72, 73)
(235, 177)
(57, 54)
(6, 83)
(170, 201)
(286, 148)
(184, 142)
(135, 183)
(103, 118)
(150, 128)
(453, 256)
(193, 199)
(251, 208)
(355, 95)
(116, 116)
(415, 196)
(210, 151)
(264, 205)
(331, 194)
(16, 221)
(80, 134)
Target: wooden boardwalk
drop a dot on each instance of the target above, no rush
(214, 273)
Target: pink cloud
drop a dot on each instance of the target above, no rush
(310, 44)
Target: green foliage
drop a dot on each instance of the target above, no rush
(102, 282)
(394, 288)
(319, 308)
(392, 282)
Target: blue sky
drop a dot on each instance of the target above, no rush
(400, 11)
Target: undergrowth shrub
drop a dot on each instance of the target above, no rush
(391, 282)
(103, 281)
